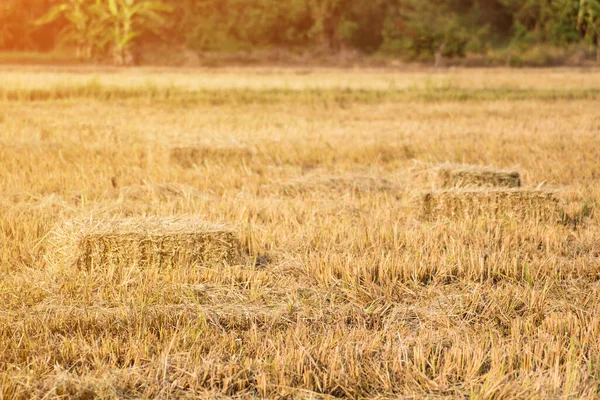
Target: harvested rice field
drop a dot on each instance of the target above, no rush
(302, 234)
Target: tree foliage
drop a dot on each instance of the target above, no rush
(413, 29)
(99, 26)
(84, 25)
(127, 20)
(588, 20)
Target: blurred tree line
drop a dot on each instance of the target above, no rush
(411, 29)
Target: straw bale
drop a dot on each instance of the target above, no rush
(188, 156)
(142, 242)
(466, 175)
(524, 204)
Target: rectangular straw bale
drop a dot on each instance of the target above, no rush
(465, 175)
(188, 156)
(524, 204)
(142, 242)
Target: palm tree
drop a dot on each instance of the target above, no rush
(84, 28)
(92, 25)
(127, 19)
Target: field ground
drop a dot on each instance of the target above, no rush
(351, 294)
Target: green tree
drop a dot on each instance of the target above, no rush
(325, 15)
(419, 29)
(84, 25)
(241, 25)
(94, 26)
(589, 22)
(543, 21)
(127, 20)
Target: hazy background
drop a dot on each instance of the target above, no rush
(477, 32)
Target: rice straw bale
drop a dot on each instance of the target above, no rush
(141, 242)
(524, 204)
(466, 175)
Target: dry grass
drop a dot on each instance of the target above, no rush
(189, 156)
(461, 175)
(141, 242)
(320, 184)
(160, 192)
(520, 204)
(344, 294)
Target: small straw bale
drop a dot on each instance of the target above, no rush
(466, 175)
(189, 156)
(525, 204)
(141, 242)
(337, 184)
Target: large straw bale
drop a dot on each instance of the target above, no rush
(188, 156)
(143, 242)
(466, 175)
(523, 204)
